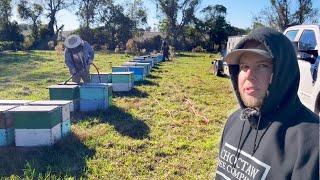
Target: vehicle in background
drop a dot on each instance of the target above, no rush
(219, 66)
(306, 39)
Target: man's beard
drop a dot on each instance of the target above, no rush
(252, 102)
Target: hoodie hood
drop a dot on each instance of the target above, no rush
(283, 88)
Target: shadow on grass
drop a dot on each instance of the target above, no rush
(133, 93)
(146, 83)
(186, 55)
(125, 124)
(153, 76)
(65, 158)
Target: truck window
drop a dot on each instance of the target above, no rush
(308, 40)
(291, 34)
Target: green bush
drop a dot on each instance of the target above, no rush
(7, 45)
(199, 49)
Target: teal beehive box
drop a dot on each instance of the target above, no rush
(66, 106)
(95, 96)
(66, 92)
(6, 126)
(122, 81)
(103, 77)
(36, 125)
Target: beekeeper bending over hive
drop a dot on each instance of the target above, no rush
(78, 57)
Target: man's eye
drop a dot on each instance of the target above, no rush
(263, 65)
(244, 67)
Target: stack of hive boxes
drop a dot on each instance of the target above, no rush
(65, 107)
(36, 125)
(95, 96)
(6, 126)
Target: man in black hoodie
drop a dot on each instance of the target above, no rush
(272, 135)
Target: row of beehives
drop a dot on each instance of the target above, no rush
(97, 95)
(27, 123)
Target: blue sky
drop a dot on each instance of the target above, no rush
(239, 12)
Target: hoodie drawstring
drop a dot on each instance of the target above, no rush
(240, 144)
(255, 138)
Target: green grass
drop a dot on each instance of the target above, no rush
(168, 127)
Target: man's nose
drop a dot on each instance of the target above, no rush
(250, 74)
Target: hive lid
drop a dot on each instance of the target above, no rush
(33, 108)
(51, 102)
(2, 101)
(6, 107)
(94, 85)
(122, 73)
(71, 86)
(104, 73)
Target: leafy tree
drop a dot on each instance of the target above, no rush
(87, 11)
(11, 32)
(282, 14)
(5, 11)
(171, 9)
(52, 7)
(117, 25)
(137, 13)
(32, 13)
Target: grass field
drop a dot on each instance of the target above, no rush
(168, 127)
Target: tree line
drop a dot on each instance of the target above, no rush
(105, 23)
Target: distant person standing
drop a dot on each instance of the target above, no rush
(165, 50)
(78, 57)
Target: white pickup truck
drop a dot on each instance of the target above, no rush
(306, 38)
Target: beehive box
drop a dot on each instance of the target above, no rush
(155, 58)
(14, 102)
(65, 106)
(66, 92)
(104, 77)
(150, 61)
(120, 69)
(122, 81)
(159, 57)
(146, 65)
(138, 71)
(6, 126)
(36, 125)
(95, 96)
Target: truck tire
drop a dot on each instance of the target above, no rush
(216, 68)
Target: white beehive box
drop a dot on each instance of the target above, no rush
(65, 106)
(36, 125)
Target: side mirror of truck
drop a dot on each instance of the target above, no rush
(304, 53)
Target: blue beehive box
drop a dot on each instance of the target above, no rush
(145, 65)
(138, 71)
(6, 126)
(95, 96)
